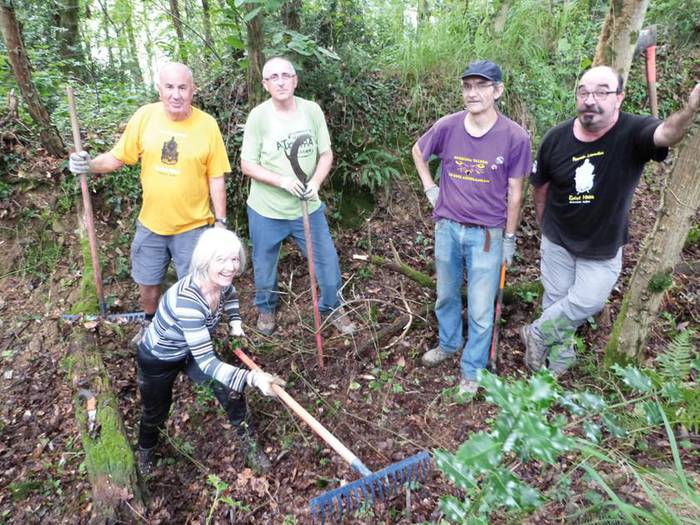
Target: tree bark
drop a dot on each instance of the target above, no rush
(177, 23)
(116, 494)
(50, 139)
(66, 16)
(133, 50)
(290, 14)
(256, 59)
(208, 41)
(661, 253)
(619, 34)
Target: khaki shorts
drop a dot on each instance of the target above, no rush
(151, 253)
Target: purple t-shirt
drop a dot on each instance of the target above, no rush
(475, 170)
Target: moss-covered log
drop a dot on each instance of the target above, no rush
(529, 290)
(116, 494)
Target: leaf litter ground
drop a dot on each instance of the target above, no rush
(374, 395)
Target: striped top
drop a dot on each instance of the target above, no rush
(183, 325)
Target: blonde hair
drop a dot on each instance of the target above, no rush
(213, 243)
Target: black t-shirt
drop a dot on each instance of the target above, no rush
(591, 184)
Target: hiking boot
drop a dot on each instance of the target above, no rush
(134, 343)
(266, 323)
(467, 388)
(560, 361)
(255, 458)
(535, 353)
(435, 356)
(341, 320)
(147, 460)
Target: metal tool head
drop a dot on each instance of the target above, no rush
(646, 39)
(293, 157)
(337, 504)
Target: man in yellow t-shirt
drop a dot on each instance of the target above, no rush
(183, 163)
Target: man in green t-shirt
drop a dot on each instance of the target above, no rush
(274, 202)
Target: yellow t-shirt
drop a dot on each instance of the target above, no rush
(177, 160)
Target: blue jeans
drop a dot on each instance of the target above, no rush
(267, 236)
(458, 248)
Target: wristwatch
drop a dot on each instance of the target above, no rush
(222, 220)
(509, 236)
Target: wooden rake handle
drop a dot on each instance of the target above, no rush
(87, 205)
(310, 420)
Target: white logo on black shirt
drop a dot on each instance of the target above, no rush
(585, 174)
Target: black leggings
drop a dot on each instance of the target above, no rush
(156, 379)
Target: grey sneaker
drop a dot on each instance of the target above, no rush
(266, 323)
(468, 387)
(435, 356)
(134, 343)
(560, 361)
(341, 320)
(535, 353)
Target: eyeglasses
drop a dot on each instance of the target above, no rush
(598, 94)
(479, 87)
(284, 77)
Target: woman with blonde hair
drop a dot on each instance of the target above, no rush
(180, 340)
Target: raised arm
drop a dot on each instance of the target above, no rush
(672, 129)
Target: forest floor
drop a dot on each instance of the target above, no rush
(372, 394)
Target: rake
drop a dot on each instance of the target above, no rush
(338, 503)
(299, 172)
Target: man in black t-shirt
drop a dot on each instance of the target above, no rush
(586, 173)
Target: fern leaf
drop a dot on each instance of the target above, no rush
(675, 362)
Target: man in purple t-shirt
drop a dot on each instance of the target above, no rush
(485, 157)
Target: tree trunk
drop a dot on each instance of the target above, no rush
(661, 252)
(619, 34)
(50, 139)
(256, 59)
(177, 23)
(66, 17)
(133, 50)
(109, 459)
(208, 41)
(147, 41)
(290, 14)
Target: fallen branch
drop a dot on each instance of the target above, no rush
(384, 333)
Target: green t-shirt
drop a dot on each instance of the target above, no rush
(266, 138)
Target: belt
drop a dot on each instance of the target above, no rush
(487, 239)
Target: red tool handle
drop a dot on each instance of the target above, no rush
(497, 318)
(310, 420)
(312, 280)
(87, 205)
(651, 80)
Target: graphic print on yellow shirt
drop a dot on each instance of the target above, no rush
(177, 160)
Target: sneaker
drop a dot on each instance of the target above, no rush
(255, 458)
(468, 387)
(535, 353)
(134, 343)
(435, 356)
(147, 460)
(341, 320)
(266, 323)
(560, 362)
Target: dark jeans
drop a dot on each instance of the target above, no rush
(156, 379)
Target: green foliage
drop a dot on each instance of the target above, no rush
(660, 282)
(693, 238)
(675, 363)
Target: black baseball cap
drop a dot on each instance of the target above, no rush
(483, 68)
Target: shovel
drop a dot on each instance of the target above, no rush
(337, 503)
(294, 161)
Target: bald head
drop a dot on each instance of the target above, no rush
(176, 89)
(277, 63)
(604, 76)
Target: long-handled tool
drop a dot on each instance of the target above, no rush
(493, 352)
(646, 42)
(299, 172)
(92, 238)
(337, 503)
(87, 205)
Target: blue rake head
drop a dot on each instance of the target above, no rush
(339, 503)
